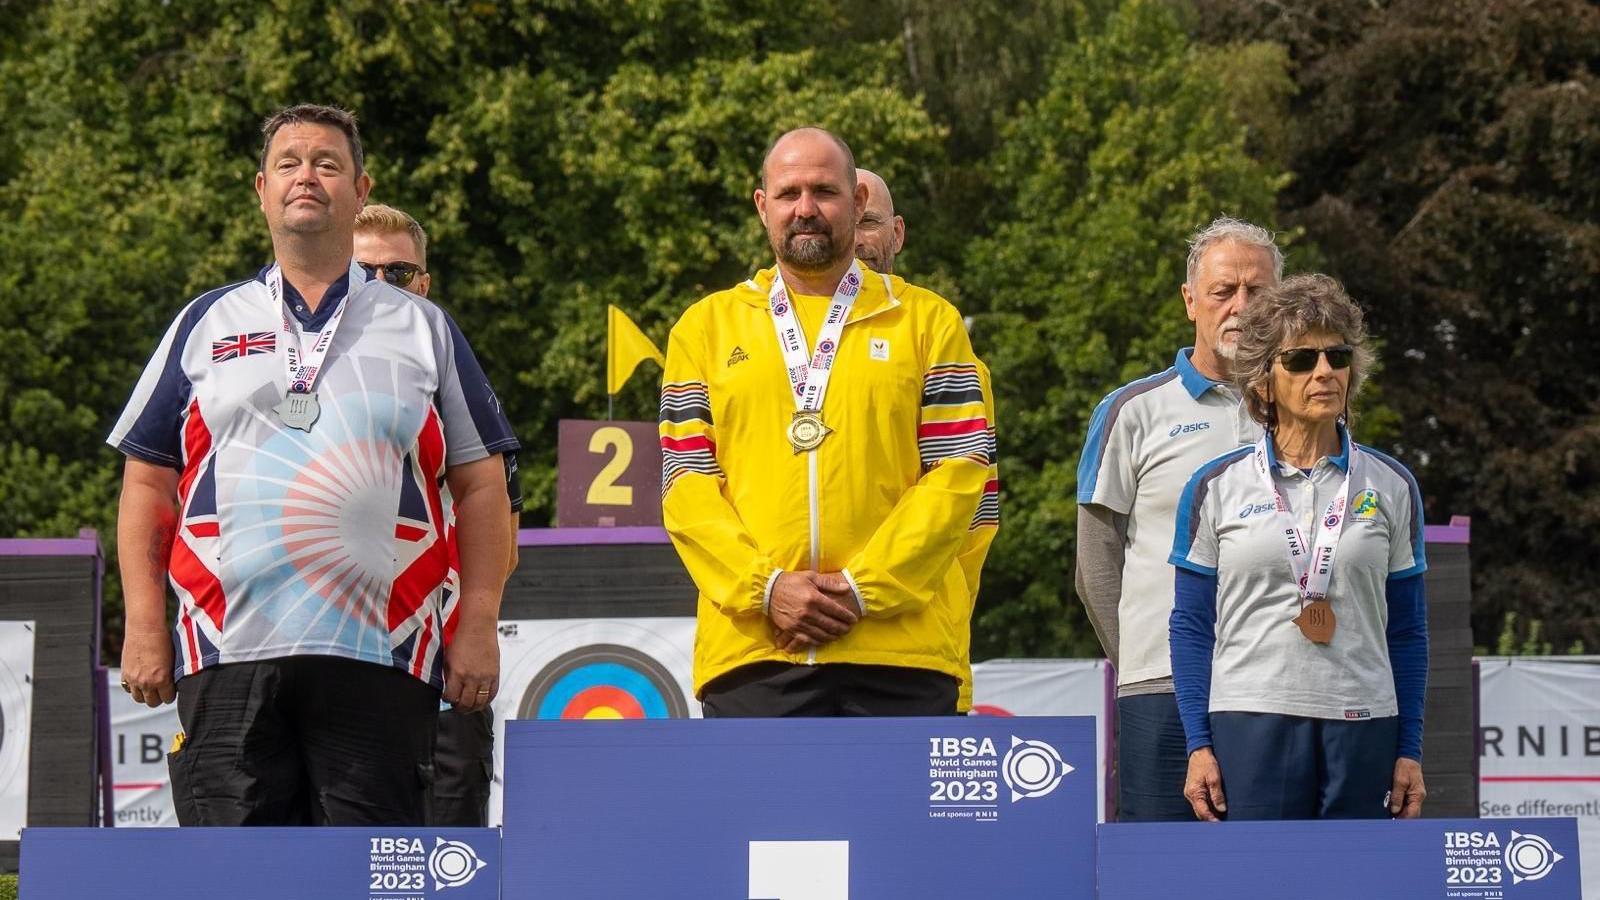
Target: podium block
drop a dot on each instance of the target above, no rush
(379, 863)
(800, 809)
(1414, 859)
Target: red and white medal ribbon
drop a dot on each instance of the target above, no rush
(1312, 564)
(809, 371)
(302, 365)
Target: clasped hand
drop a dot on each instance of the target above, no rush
(809, 609)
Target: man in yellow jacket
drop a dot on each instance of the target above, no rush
(826, 450)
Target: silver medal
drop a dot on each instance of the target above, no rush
(299, 410)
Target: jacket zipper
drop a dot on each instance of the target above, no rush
(811, 472)
(816, 533)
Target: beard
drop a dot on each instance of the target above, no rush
(1227, 345)
(875, 262)
(808, 244)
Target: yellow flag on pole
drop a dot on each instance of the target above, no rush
(626, 347)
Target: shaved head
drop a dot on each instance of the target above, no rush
(880, 234)
(809, 202)
(783, 143)
(877, 190)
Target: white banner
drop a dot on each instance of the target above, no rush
(140, 739)
(1048, 687)
(1539, 745)
(16, 724)
(591, 669)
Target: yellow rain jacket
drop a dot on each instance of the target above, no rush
(902, 497)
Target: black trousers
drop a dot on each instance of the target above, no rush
(304, 740)
(1152, 760)
(463, 768)
(774, 689)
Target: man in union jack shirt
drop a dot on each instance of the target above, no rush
(295, 504)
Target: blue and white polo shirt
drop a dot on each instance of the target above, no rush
(331, 542)
(1227, 528)
(1145, 440)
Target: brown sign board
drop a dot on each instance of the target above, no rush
(607, 473)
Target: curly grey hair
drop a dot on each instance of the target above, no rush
(1228, 230)
(1283, 312)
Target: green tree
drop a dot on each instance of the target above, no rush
(1135, 142)
(564, 155)
(974, 65)
(1448, 159)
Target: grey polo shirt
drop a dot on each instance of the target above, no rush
(1227, 527)
(1145, 440)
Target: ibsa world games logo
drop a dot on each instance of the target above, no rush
(402, 866)
(1530, 857)
(1477, 858)
(1032, 769)
(453, 864)
(969, 779)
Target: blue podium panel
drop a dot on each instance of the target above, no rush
(395, 863)
(1413, 859)
(799, 809)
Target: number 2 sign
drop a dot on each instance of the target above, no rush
(607, 473)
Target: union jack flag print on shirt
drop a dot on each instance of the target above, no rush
(238, 345)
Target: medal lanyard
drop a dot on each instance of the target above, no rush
(1313, 565)
(809, 376)
(302, 365)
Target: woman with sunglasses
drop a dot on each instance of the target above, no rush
(1299, 633)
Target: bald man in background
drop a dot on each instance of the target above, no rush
(879, 233)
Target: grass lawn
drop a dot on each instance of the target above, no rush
(8, 887)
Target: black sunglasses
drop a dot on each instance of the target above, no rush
(1304, 359)
(399, 274)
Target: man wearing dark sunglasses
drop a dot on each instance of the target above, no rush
(392, 246)
(1145, 440)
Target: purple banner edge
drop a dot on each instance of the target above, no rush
(1447, 534)
(567, 537)
(49, 547)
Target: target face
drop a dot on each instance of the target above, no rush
(603, 681)
(16, 701)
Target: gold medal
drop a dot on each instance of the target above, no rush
(806, 431)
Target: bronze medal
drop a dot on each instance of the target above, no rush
(1316, 621)
(806, 431)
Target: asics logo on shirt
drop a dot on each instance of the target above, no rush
(1250, 509)
(1190, 428)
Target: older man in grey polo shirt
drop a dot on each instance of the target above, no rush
(1145, 439)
